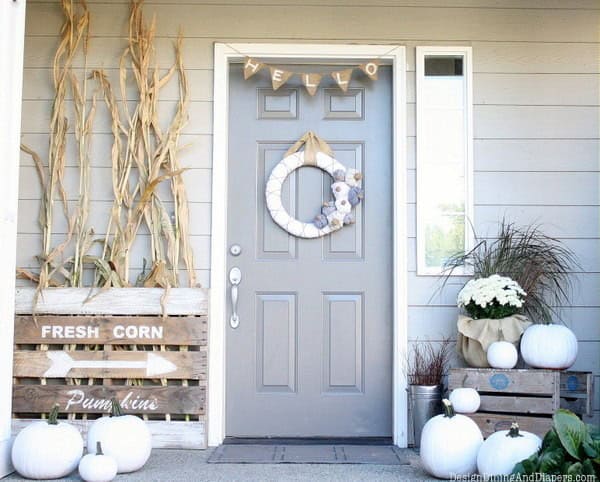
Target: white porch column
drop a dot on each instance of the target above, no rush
(12, 32)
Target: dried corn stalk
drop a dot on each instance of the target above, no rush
(143, 156)
(55, 269)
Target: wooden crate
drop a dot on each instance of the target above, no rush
(529, 397)
(155, 365)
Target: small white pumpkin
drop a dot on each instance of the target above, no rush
(98, 467)
(47, 449)
(549, 346)
(126, 438)
(465, 400)
(449, 444)
(502, 354)
(504, 449)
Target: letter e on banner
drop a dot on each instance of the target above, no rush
(279, 77)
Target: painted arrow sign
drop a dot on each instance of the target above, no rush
(62, 363)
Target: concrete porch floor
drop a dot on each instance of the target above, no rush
(190, 465)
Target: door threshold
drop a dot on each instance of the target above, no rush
(308, 441)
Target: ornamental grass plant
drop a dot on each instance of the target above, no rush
(542, 266)
(427, 362)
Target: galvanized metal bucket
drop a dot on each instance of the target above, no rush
(424, 401)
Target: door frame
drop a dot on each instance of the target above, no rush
(224, 55)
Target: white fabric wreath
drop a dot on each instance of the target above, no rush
(334, 214)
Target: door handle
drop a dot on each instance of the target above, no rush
(235, 277)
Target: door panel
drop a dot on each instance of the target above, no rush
(312, 355)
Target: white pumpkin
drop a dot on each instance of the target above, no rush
(47, 449)
(465, 400)
(98, 467)
(126, 438)
(502, 354)
(549, 346)
(504, 449)
(449, 444)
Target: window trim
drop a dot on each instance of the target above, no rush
(467, 54)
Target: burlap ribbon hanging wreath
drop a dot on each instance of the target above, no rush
(312, 144)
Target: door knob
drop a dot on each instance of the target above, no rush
(235, 277)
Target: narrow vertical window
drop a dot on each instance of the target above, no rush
(444, 155)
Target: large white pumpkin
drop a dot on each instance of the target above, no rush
(449, 444)
(47, 449)
(126, 438)
(465, 400)
(504, 449)
(98, 467)
(549, 346)
(502, 354)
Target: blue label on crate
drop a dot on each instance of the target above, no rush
(572, 383)
(499, 381)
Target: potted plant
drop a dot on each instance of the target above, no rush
(492, 305)
(425, 369)
(542, 266)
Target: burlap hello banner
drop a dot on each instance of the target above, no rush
(310, 80)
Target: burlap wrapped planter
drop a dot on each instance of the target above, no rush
(475, 336)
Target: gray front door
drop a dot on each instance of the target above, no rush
(312, 355)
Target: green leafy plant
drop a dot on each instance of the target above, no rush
(569, 448)
(540, 264)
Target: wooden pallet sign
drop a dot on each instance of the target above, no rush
(83, 348)
(105, 354)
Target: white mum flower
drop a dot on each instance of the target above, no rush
(495, 288)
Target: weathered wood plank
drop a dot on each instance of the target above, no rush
(492, 422)
(202, 278)
(576, 383)
(113, 301)
(165, 435)
(516, 404)
(111, 364)
(113, 330)
(577, 390)
(541, 382)
(97, 399)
